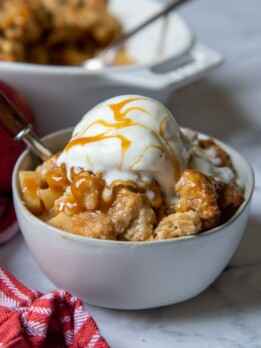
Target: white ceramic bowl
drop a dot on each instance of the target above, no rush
(131, 275)
(59, 96)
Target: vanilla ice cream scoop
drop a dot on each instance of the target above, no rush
(130, 140)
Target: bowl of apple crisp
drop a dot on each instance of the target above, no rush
(133, 211)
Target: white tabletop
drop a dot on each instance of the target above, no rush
(226, 104)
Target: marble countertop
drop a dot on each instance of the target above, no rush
(226, 104)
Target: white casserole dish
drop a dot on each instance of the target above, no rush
(61, 95)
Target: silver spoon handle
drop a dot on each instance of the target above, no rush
(125, 36)
(19, 129)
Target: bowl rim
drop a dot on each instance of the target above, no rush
(78, 238)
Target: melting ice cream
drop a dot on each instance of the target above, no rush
(129, 140)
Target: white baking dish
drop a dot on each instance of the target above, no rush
(61, 95)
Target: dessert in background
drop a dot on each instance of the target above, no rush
(57, 32)
(130, 173)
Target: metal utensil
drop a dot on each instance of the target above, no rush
(19, 129)
(107, 56)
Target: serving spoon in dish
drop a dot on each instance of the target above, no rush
(19, 129)
(107, 56)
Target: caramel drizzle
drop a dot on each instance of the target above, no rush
(142, 156)
(122, 122)
(30, 185)
(125, 143)
(119, 116)
(177, 172)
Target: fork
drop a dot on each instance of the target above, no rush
(106, 57)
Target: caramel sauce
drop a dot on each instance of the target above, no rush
(125, 143)
(88, 186)
(119, 116)
(177, 172)
(161, 129)
(57, 179)
(85, 184)
(126, 183)
(160, 148)
(79, 173)
(31, 187)
(105, 205)
(122, 122)
(157, 201)
(71, 206)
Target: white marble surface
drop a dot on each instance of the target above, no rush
(226, 104)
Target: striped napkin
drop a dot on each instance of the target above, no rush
(30, 319)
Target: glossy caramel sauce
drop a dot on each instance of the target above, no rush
(123, 121)
(84, 187)
(31, 187)
(57, 179)
(157, 200)
(139, 159)
(125, 143)
(70, 206)
(85, 184)
(177, 171)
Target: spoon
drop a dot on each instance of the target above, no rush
(106, 56)
(19, 129)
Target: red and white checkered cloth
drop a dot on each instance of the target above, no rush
(31, 319)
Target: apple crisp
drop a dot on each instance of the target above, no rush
(56, 32)
(79, 206)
